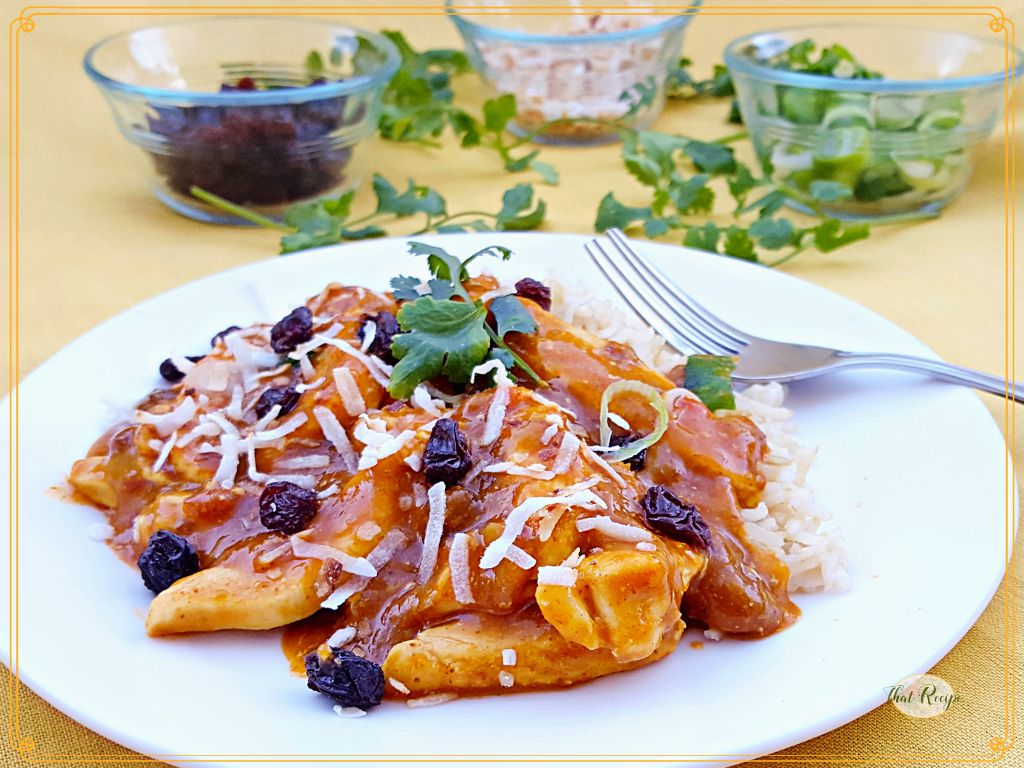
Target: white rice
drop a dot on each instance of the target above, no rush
(789, 521)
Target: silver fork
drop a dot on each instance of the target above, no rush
(691, 328)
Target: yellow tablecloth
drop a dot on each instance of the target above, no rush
(93, 242)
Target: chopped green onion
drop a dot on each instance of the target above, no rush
(630, 450)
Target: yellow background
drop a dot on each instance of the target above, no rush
(93, 242)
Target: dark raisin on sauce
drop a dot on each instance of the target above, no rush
(170, 371)
(387, 329)
(345, 678)
(677, 519)
(293, 329)
(221, 334)
(286, 397)
(168, 557)
(536, 291)
(446, 457)
(286, 507)
(635, 462)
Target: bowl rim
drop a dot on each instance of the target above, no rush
(458, 16)
(318, 92)
(737, 62)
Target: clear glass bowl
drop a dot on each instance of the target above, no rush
(608, 67)
(244, 108)
(900, 145)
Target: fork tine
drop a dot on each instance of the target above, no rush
(655, 294)
(685, 339)
(722, 330)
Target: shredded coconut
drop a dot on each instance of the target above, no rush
(348, 391)
(165, 452)
(508, 657)
(430, 701)
(313, 461)
(566, 453)
(499, 402)
(646, 546)
(506, 678)
(287, 428)
(348, 712)
(165, 423)
(432, 535)
(341, 636)
(330, 490)
(520, 557)
(557, 576)
(100, 532)
(300, 388)
(612, 529)
(335, 434)
(458, 563)
(511, 468)
(360, 566)
(228, 467)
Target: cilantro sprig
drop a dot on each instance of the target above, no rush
(329, 220)
(445, 331)
(680, 173)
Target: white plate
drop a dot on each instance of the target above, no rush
(914, 472)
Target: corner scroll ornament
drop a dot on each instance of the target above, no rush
(25, 21)
(997, 23)
(999, 746)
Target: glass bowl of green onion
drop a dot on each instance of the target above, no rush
(887, 135)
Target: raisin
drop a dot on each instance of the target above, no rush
(347, 679)
(286, 507)
(221, 334)
(635, 462)
(677, 519)
(287, 398)
(446, 457)
(295, 328)
(168, 558)
(387, 328)
(170, 371)
(535, 291)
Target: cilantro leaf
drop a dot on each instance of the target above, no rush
(415, 199)
(405, 288)
(710, 157)
(516, 213)
(832, 234)
(441, 337)
(612, 213)
(738, 244)
(703, 238)
(499, 111)
(828, 191)
(709, 378)
(772, 233)
(546, 171)
(692, 195)
(511, 314)
(440, 289)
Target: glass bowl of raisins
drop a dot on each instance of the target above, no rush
(260, 112)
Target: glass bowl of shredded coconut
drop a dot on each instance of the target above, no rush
(577, 77)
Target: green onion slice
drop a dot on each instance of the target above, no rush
(629, 450)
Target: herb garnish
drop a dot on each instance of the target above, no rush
(327, 221)
(708, 377)
(445, 331)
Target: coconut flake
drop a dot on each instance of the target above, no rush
(203, 429)
(556, 576)
(336, 435)
(221, 421)
(300, 388)
(378, 369)
(374, 453)
(549, 434)
(306, 367)
(330, 490)
(566, 453)
(432, 535)
(313, 461)
(367, 531)
(618, 421)
(165, 452)
(430, 701)
(603, 465)
(378, 557)
(520, 557)
(421, 399)
(516, 520)
(348, 712)
(228, 467)
(511, 468)
(499, 402)
(506, 679)
(612, 529)
(415, 462)
(270, 435)
(360, 566)
(268, 417)
(165, 423)
(508, 657)
(369, 334)
(458, 563)
(399, 686)
(348, 391)
(646, 546)
(303, 481)
(574, 560)
(341, 636)
(234, 408)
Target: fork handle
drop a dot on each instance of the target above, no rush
(939, 370)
